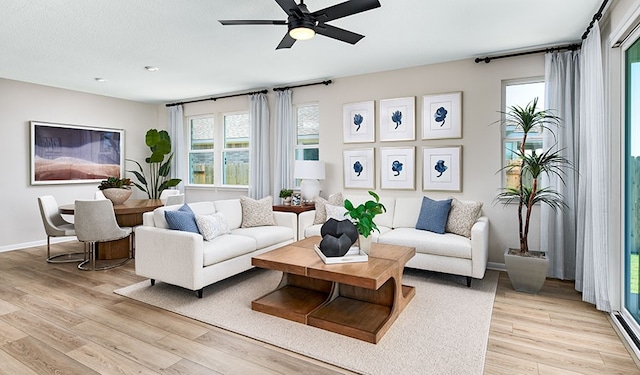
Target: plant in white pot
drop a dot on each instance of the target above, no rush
(528, 269)
(362, 216)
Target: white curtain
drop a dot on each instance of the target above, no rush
(562, 82)
(284, 142)
(259, 167)
(594, 179)
(176, 132)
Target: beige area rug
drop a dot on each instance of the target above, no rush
(443, 330)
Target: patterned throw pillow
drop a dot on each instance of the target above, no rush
(335, 212)
(462, 217)
(182, 219)
(256, 213)
(321, 213)
(433, 215)
(213, 225)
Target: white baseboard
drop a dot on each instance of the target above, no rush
(496, 266)
(25, 245)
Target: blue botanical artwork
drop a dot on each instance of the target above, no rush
(440, 167)
(440, 116)
(397, 118)
(358, 168)
(396, 167)
(357, 120)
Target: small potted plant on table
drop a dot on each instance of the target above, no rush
(286, 194)
(116, 189)
(362, 216)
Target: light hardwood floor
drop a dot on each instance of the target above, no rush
(55, 319)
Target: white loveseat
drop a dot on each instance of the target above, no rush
(447, 253)
(185, 259)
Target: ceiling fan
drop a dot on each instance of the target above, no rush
(304, 25)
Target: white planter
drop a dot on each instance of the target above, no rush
(527, 274)
(364, 243)
(117, 195)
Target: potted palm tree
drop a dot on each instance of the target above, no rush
(362, 216)
(528, 269)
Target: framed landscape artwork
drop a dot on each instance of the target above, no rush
(442, 116)
(358, 122)
(398, 119)
(359, 169)
(397, 168)
(64, 154)
(442, 168)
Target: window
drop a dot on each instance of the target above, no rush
(219, 163)
(519, 93)
(307, 133)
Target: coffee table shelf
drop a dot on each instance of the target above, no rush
(300, 303)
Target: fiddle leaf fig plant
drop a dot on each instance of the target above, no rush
(362, 215)
(159, 169)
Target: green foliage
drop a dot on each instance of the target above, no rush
(532, 166)
(363, 214)
(159, 169)
(115, 182)
(285, 193)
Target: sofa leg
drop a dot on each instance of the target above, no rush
(153, 282)
(468, 282)
(199, 291)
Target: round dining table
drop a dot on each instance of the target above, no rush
(128, 214)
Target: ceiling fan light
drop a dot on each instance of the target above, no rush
(302, 33)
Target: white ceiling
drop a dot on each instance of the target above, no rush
(68, 43)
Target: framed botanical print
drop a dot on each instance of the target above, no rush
(397, 168)
(358, 122)
(398, 119)
(359, 169)
(442, 168)
(442, 116)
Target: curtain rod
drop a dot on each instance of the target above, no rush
(569, 47)
(326, 83)
(217, 97)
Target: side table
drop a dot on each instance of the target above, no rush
(298, 209)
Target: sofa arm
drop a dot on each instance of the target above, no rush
(479, 247)
(287, 219)
(305, 220)
(172, 256)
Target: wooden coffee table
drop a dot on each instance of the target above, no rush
(360, 300)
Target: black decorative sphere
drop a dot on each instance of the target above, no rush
(337, 237)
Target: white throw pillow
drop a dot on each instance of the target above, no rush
(462, 216)
(212, 225)
(335, 212)
(321, 212)
(257, 213)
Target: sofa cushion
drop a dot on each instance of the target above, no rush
(226, 247)
(212, 226)
(266, 235)
(433, 215)
(425, 242)
(385, 219)
(232, 210)
(407, 211)
(462, 216)
(182, 219)
(321, 214)
(202, 208)
(335, 212)
(256, 213)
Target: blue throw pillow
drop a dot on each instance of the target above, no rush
(433, 215)
(182, 219)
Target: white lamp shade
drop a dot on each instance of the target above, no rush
(309, 169)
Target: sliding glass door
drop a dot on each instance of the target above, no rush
(632, 183)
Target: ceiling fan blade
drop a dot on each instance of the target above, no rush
(338, 33)
(344, 9)
(289, 6)
(286, 42)
(252, 22)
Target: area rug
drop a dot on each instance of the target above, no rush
(443, 330)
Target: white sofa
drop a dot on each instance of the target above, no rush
(185, 259)
(447, 253)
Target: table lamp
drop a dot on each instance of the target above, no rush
(309, 171)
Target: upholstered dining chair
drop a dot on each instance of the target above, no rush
(56, 226)
(167, 193)
(174, 199)
(95, 221)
